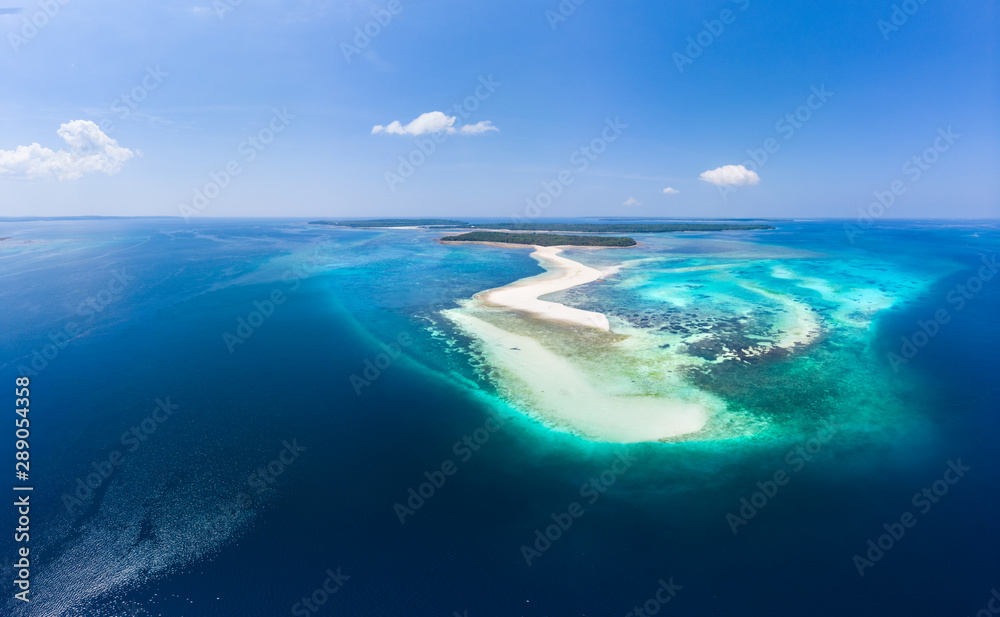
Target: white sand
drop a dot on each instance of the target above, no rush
(559, 393)
(602, 400)
(561, 274)
(800, 325)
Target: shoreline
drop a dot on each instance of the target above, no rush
(579, 391)
(566, 395)
(503, 245)
(560, 274)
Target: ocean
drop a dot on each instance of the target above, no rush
(266, 417)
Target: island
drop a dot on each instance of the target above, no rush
(546, 239)
(636, 228)
(449, 223)
(564, 365)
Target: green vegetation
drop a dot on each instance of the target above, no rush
(622, 227)
(539, 239)
(633, 228)
(395, 223)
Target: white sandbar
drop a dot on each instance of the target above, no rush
(561, 274)
(561, 394)
(610, 400)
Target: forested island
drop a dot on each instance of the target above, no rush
(632, 228)
(395, 223)
(635, 228)
(539, 239)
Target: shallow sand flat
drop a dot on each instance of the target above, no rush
(561, 274)
(558, 392)
(858, 305)
(795, 328)
(799, 326)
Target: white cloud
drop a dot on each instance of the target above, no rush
(479, 127)
(670, 191)
(90, 150)
(433, 122)
(730, 175)
(632, 201)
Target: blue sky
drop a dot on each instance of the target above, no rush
(214, 73)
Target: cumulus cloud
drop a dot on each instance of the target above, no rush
(89, 150)
(632, 201)
(730, 175)
(670, 191)
(433, 122)
(480, 127)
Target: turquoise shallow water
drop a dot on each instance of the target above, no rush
(181, 528)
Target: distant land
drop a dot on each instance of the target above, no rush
(684, 219)
(539, 239)
(395, 223)
(633, 228)
(578, 227)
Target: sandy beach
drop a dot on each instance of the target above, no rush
(563, 394)
(561, 274)
(602, 393)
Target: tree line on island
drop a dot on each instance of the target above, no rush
(539, 239)
(632, 228)
(396, 223)
(635, 228)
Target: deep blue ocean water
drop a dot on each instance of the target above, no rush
(181, 528)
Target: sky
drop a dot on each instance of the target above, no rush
(513, 109)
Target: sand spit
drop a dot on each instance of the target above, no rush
(596, 390)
